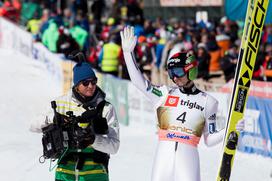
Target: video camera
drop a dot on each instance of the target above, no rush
(65, 132)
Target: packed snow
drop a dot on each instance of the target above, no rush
(25, 93)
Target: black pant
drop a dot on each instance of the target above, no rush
(97, 156)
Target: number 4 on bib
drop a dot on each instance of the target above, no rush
(182, 117)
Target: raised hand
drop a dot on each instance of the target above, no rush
(128, 38)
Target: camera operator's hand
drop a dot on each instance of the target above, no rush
(93, 115)
(100, 125)
(83, 137)
(88, 116)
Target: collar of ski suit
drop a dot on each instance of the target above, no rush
(190, 90)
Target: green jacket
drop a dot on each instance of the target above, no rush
(80, 35)
(51, 36)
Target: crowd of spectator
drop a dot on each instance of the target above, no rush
(93, 27)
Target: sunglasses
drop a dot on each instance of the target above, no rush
(87, 82)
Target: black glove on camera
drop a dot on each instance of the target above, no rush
(93, 115)
(100, 125)
(83, 137)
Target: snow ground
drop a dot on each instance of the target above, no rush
(26, 91)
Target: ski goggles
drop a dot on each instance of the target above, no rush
(181, 71)
(176, 72)
(87, 82)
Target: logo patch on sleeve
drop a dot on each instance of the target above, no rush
(172, 101)
(212, 117)
(157, 92)
(211, 128)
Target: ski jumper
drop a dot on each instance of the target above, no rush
(182, 119)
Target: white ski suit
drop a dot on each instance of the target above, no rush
(182, 120)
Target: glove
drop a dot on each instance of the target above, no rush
(94, 116)
(84, 137)
(240, 126)
(86, 142)
(100, 125)
(88, 116)
(128, 38)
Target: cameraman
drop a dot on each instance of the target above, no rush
(88, 161)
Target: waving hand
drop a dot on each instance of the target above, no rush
(128, 39)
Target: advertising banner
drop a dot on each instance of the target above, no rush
(67, 71)
(191, 3)
(257, 135)
(117, 94)
(140, 108)
(52, 61)
(13, 37)
(257, 89)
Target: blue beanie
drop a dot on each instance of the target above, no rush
(82, 71)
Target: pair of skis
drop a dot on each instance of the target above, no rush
(255, 18)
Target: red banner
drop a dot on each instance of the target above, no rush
(257, 89)
(191, 3)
